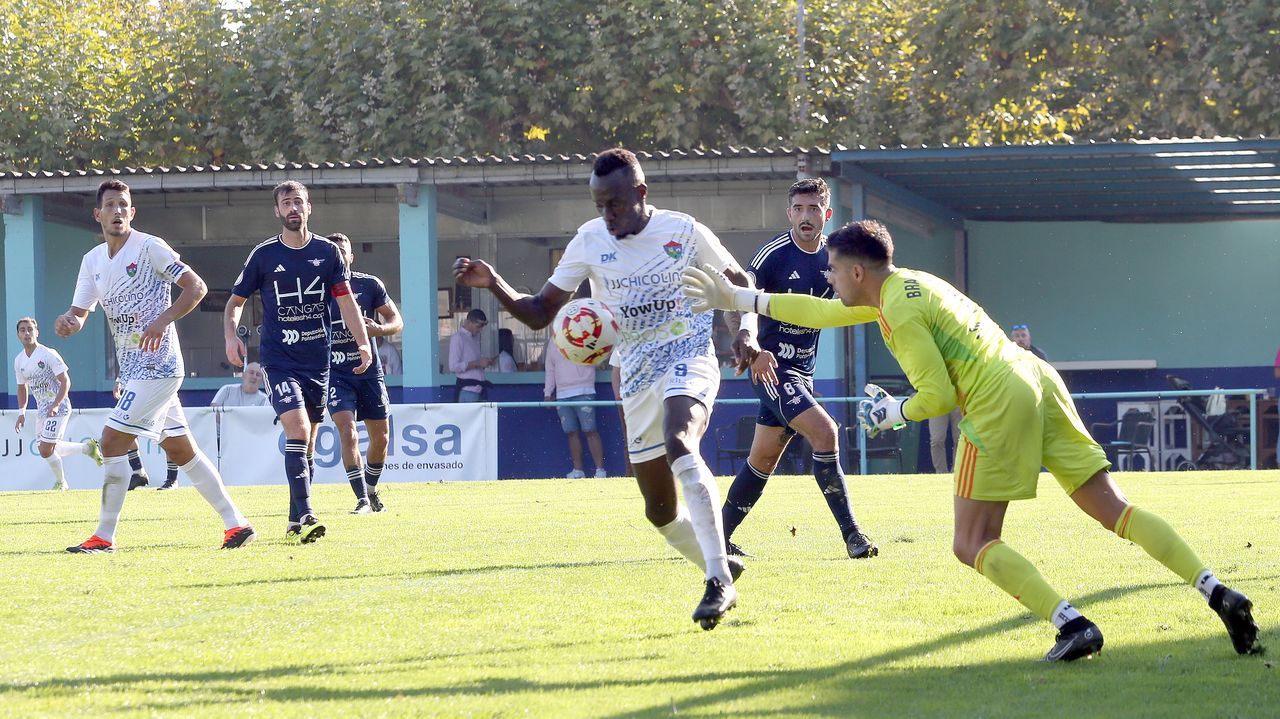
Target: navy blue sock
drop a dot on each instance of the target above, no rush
(295, 471)
(171, 470)
(742, 496)
(135, 462)
(356, 478)
(372, 473)
(826, 469)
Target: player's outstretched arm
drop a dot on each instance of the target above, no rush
(536, 311)
(22, 408)
(235, 348)
(355, 323)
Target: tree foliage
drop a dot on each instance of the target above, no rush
(156, 82)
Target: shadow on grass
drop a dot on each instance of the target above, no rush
(427, 574)
(1164, 677)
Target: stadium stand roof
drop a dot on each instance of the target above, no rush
(1136, 181)
(1133, 180)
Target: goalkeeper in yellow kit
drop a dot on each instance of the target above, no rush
(1018, 416)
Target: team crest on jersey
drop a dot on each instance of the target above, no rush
(315, 262)
(674, 249)
(132, 269)
(40, 364)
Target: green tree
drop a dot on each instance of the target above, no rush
(104, 84)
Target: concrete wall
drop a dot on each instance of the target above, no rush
(1185, 295)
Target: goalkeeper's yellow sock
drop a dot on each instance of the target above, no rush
(1159, 540)
(1018, 577)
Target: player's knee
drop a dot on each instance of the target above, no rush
(46, 450)
(679, 444)
(660, 513)
(823, 437)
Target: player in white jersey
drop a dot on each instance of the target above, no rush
(634, 255)
(130, 275)
(41, 371)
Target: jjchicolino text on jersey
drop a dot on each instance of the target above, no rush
(370, 294)
(134, 288)
(295, 284)
(781, 266)
(638, 277)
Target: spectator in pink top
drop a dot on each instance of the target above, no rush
(569, 381)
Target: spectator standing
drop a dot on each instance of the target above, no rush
(465, 360)
(1021, 336)
(574, 382)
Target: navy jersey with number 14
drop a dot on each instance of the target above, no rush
(295, 284)
(781, 266)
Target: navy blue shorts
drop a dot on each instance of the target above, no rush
(780, 403)
(290, 389)
(366, 397)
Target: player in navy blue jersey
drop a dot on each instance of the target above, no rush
(295, 273)
(361, 397)
(782, 371)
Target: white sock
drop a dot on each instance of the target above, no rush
(1064, 613)
(1206, 583)
(69, 449)
(55, 464)
(679, 534)
(115, 486)
(703, 499)
(207, 482)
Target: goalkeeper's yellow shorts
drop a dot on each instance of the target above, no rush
(1017, 424)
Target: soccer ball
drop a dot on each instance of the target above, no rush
(585, 331)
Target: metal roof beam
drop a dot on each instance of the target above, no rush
(901, 195)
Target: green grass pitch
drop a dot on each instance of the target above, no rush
(556, 599)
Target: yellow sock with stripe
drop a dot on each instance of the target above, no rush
(1159, 540)
(1018, 577)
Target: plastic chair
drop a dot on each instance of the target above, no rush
(733, 442)
(1133, 435)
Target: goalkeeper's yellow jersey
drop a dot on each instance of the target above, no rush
(946, 344)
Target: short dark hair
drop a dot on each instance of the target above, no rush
(109, 185)
(811, 186)
(477, 315)
(338, 237)
(289, 186)
(866, 240)
(32, 320)
(616, 158)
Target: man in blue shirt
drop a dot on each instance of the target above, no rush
(361, 396)
(782, 371)
(295, 273)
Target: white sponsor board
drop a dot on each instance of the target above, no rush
(22, 467)
(431, 443)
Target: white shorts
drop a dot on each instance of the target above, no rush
(697, 377)
(53, 428)
(150, 408)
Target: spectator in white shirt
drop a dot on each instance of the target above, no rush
(569, 381)
(465, 360)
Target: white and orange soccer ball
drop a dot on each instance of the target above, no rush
(585, 331)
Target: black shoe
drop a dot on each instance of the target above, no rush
(168, 484)
(292, 530)
(312, 529)
(734, 550)
(1078, 638)
(717, 600)
(363, 506)
(138, 480)
(1236, 612)
(375, 502)
(860, 545)
(736, 567)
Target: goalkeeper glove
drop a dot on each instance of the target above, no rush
(883, 411)
(709, 289)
